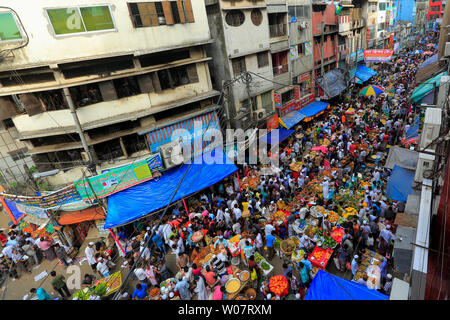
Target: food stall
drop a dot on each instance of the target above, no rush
(320, 257)
(265, 266)
(369, 258)
(102, 287)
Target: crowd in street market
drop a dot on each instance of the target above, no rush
(324, 205)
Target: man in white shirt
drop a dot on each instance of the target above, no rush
(386, 234)
(227, 217)
(237, 212)
(102, 267)
(140, 274)
(90, 256)
(145, 252)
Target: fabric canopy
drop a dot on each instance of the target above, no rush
(403, 157)
(399, 185)
(314, 108)
(138, 201)
(422, 90)
(282, 135)
(292, 118)
(326, 286)
(72, 217)
(364, 73)
(430, 60)
(334, 83)
(12, 210)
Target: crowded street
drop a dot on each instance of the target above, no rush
(254, 236)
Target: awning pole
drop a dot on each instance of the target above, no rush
(239, 180)
(117, 241)
(185, 206)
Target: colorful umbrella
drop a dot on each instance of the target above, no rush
(350, 111)
(427, 53)
(371, 91)
(417, 52)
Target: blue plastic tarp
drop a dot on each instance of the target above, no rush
(430, 60)
(282, 135)
(314, 108)
(333, 84)
(292, 118)
(364, 73)
(399, 185)
(145, 198)
(13, 208)
(326, 286)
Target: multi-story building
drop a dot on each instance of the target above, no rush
(371, 16)
(241, 36)
(382, 25)
(421, 16)
(100, 77)
(435, 9)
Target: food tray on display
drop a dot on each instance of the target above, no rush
(233, 285)
(265, 266)
(320, 257)
(337, 234)
(314, 212)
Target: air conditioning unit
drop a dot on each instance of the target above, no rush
(424, 168)
(84, 156)
(259, 114)
(172, 154)
(431, 126)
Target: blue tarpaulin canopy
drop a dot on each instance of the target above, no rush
(13, 208)
(282, 135)
(334, 83)
(430, 60)
(364, 73)
(423, 89)
(399, 185)
(326, 286)
(145, 198)
(292, 118)
(314, 108)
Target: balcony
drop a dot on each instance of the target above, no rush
(278, 70)
(277, 30)
(344, 24)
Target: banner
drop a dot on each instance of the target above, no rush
(308, 48)
(272, 123)
(293, 52)
(378, 55)
(53, 200)
(277, 100)
(115, 180)
(359, 56)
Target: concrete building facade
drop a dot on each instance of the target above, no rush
(110, 60)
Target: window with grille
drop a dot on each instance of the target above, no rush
(149, 14)
(235, 18)
(238, 66)
(18, 154)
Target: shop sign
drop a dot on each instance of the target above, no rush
(277, 100)
(272, 123)
(303, 77)
(308, 48)
(378, 55)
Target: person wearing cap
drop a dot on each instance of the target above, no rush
(90, 256)
(102, 267)
(183, 288)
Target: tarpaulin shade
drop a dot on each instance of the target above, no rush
(422, 90)
(399, 185)
(73, 217)
(429, 61)
(403, 157)
(364, 73)
(138, 201)
(12, 210)
(292, 118)
(282, 135)
(334, 84)
(326, 286)
(314, 108)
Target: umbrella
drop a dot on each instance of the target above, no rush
(321, 148)
(430, 45)
(417, 52)
(371, 91)
(350, 111)
(427, 53)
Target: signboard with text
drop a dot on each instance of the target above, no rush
(378, 55)
(272, 123)
(277, 100)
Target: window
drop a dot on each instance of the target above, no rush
(256, 17)
(382, 6)
(301, 49)
(179, 76)
(250, 103)
(126, 87)
(18, 154)
(235, 18)
(78, 20)
(9, 30)
(238, 66)
(287, 96)
(176, 16)
(263, 59)
(381, 26)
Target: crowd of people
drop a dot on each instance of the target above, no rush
(226, 210)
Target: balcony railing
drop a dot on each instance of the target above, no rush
(280, 69)
(277, 30)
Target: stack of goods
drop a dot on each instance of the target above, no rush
(311, 231)
(296, 166)
(326, 240)
(263, 264)
(279, 285)
(204, 251)
(250, 182)
(320, 257)
(369, 258)
(337, 234)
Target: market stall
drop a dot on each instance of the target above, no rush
(103, 287)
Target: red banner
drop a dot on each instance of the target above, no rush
(272, 123)
(378, 55)
(277, 100)
(303, 77)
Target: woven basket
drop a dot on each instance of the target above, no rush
(288, 241)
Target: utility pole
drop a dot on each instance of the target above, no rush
(321, 53)
(79, 129)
